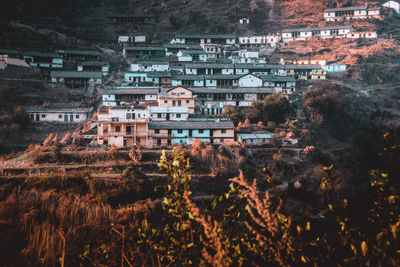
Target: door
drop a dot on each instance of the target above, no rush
(65, 117)
(128, 130)
(167, 116)
(71, 117)
(37, 117)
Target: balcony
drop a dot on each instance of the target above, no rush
(137, 133)
(161, 135)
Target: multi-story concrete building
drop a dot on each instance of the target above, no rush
(117, 96)
(122, 126)
(177, 97)
(185, 132)
(70, 115)
(349, 13)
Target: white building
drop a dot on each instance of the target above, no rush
(259, 40)
(244, 21)
(121, 95)
(362, 35)
(99, 66)
(222, 39)
(349, 13)
(149, 66)
(253, 138)
(303, 34)
(71, 115)
(168, 113)
(394, 5)
(122, 126)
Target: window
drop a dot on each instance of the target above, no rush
(60, 116)
(117, 129)
(43, 115)
(158, 115)
(187, 101)
(201, 131)
(223, 131)
(180, 131)
(156, 131)
(173, 103)
(178, 115)
(165, 101)
(179, 102)
(77, 116)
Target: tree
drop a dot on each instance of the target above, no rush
(136, 181)
(231, 112)
(21, 117)
(274, 107)
(322, 103)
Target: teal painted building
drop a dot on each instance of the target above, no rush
(335, 68)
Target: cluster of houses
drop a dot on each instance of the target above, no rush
(177, 92)
(72, 68)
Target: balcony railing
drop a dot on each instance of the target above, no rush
(161, 135)
(112, 133)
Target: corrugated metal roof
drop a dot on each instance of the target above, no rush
(133, 91)
(58, 110)
(94, 63)
(158, 109)
(188, 77)
(238, 90)
(77, 74)
(302, 66)
(209, 65)
(254, 135)
(79, 52)
(146, 48)
(183, 46)
(195, 52)
(318, 29)
(186, 125)
(223, 76)
(258, 66)
(210, 36)
(159, 74)
(351, 8)
(277, 78)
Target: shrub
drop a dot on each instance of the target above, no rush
(136, 181)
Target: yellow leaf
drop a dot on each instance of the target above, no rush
(303, 259)
(393, 228)
(298, 229)
(392, 199)
(384, 175)
(328, 168)
(308, 226)
(353, 248)
(330, 207)
(364, 248)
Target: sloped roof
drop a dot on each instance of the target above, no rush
(277, 78)
(77, 74)
(94, 63)
(186, 125)
(209, 65)
(351, 8)
(79, 52)
(210, 36)
(349, 27)
(58, 110)
(183, 46)
(238, 90)
(131, 91)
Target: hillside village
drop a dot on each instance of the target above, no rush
(176, 92)
(209, 133)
